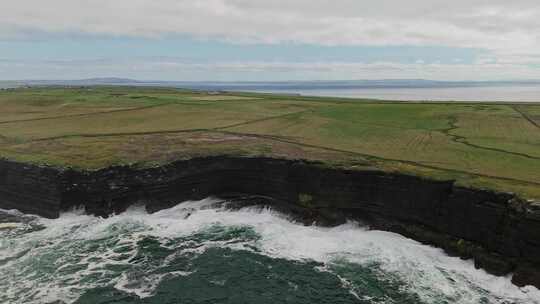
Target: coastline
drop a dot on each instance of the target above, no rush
(500, 231)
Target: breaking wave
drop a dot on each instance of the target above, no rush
(198, 251)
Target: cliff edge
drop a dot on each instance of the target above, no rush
(498, 230)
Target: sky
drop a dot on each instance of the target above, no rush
(253, 40)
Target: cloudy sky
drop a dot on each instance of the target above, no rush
(270, 40)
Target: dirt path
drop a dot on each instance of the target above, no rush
(452, 123)
(525, 116)
(463, 140)
(260, 120)
(81, 114)
(374, 157)
(292, 142)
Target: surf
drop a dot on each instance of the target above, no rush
(147, 256)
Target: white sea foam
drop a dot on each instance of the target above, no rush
(425, 270)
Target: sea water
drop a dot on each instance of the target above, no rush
(466, 94)
(198, 252)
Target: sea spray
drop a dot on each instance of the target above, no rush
(198, 251)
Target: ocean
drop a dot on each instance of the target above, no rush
(473, 94)
(199, 252)
(404, 90)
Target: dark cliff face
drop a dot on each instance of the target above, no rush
(29, 189)
(498, 230)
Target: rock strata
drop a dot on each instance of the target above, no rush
(498, 230)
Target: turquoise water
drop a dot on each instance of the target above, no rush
(197, 252)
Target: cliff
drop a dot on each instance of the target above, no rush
(498, 230)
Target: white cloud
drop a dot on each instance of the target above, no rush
(510, 29)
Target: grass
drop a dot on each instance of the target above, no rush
(495, 146)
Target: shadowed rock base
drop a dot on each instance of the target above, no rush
(498, 230)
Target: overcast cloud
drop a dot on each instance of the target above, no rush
(508, 30)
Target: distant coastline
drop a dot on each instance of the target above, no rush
(467, 94)
(396, 89)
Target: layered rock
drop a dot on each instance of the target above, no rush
(30, 189)
(498, 230)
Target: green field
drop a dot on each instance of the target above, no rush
(494, 146)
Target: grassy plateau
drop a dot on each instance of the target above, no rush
(483, 145)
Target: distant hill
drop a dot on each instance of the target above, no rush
(280, 85)
(83, 82)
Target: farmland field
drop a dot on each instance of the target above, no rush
(494, 146)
